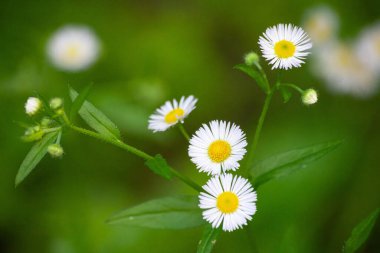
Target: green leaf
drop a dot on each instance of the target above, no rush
(208, 239)
(96, 119)
(285, 93)
(159, 166)
(79, 100)
(286, 163)
(360, 233)
(165, 213)
(36, 153)
(254, 73)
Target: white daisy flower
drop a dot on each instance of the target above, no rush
(285, 46)
(217, 147)
(368, 48)
(171, 113)
(32, 105)
(322, 24)
(73, 48)
(228, 199)
(339, 65)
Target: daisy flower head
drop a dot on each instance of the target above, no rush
(171, 113)
(285, 46)
(344, 72)
(32, 105)
(217, 147)
(228, 199)
(73, 48)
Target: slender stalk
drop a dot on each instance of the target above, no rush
(187, 180)
(259, 127)
(294, 87)
(183, 131)
(114, 142)
(134, 151)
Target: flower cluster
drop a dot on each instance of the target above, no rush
(217, 148)
(227, 200)
(47, 124)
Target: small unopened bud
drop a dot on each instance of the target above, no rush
(32, 105)
(33, 134)
(46, 122)
(55, 150)
(56, 103)
(251, 58)
(309, 97)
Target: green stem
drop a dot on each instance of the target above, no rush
(115, 142)
(134, 151)
(293, 86)
(187, 180)
(259, 127)
(183, 131)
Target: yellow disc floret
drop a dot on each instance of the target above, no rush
(72, 52)
(284, 49)
(174, 115)
(219, 151)
(227, 202)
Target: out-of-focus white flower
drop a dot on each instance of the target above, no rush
(285, 46)
(171, 113)
(309, 97)
(368, 48)
(217, 147)
(32, 105)
(229, 200)
(322, 24)
(73, 48)
(338, 64)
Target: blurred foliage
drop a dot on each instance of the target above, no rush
(153, 51)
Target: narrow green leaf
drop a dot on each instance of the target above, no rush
(360, 233)
(159, 166)
(165, 213)
(96, 119)
(256, 75)
(79, 100)
(208, 239)
(36, 153)
(285, 93)
(286, 163)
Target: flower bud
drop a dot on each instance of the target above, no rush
(251, 58)
(309, 97)
(56, 103)
(46, 122)
(32, 105)
(55, 150)
(33, 134)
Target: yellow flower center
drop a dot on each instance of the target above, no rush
(173, 116)
(284, 49)
(227, 202)
(219, 151)
(72, 52)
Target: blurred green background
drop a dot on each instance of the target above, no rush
(154, 51)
